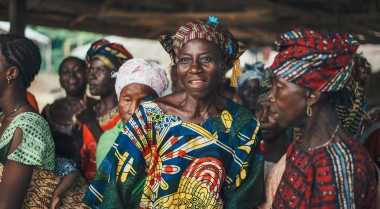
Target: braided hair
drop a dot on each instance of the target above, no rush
(22, 53)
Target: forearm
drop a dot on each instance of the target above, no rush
(65, 184)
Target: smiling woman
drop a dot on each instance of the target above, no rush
(193, 148)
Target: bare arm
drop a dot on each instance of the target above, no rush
(15, 179)
(64, 185)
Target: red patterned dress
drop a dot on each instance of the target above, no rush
(340, 175)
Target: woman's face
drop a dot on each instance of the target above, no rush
(248, 94)
(72, 77)
(99, 79)
(289, 101)
(131, 96)
(200, 67)
(270, 128)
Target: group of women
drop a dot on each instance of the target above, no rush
(193, 148)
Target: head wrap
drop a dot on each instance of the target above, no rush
(322, 63)
(265, 85)
(209, 30)
(251, 72)
(140, 71)
(113, 55)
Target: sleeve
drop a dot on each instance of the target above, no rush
(247, 190)
(37, 145)
(123, 169)
(64, 166)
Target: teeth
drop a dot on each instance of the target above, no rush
(196, 81)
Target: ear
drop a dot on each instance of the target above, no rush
(312, 97)
(12, 73)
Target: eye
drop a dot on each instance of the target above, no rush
(184, 60)
(206, 59)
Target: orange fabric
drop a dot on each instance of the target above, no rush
(32, 101)
(88, 150)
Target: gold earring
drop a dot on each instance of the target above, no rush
(309, 111)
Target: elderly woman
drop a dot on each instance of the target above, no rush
(248, 85)
(103, 59)
(313, 90)
(193, 148)
(136, 81)
(26, 146)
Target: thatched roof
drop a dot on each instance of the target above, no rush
(256, 22)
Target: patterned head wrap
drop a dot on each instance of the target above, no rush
(140, 71)
(362, 70)
(265, 85)
(251, 72)
(209, 30)
(321, 63)
(113, 55)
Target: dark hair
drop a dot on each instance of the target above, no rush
(22, 53)
(81, 62)
(64, 144)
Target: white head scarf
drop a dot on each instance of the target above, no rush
(140, 71)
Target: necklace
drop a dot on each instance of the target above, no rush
(328, 142)
(15, 110)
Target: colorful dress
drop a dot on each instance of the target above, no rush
(88, 150)
(212, 165)
(340, 175)
(37, 150)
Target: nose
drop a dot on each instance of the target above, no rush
(270, 96)
(133, 107)
(195, 66)
(91, 75)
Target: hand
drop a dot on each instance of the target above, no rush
(55, 202)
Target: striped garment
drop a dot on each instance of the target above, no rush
(160, 162)
(340, 175)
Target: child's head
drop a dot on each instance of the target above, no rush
(65, 145)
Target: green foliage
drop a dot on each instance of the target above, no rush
(63, 41)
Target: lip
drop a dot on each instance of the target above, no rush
(196, 83)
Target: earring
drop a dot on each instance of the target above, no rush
(8, 79)
(309, 111)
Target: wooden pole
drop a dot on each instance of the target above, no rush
(17, 16)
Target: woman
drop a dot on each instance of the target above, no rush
(248, 85)
(103, 58)
(132, 86)
(26, 144)
(193, 148)
(59, 114)
(313, 90)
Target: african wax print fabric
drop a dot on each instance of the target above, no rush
(212, 165)
(88, 149)
(64, 166)
(37, 146)
(340, 175)
(113, 55)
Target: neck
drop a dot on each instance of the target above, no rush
(109, 101)
(196, 108)
(10, 101)
(74, 99)
(320, 128)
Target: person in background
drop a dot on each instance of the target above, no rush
(248, 85)
(71, 186)
(136, 81)
(313, 90)
(59, 114)
(192, 148)
(26, 146)
(103, 59)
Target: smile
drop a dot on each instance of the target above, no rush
(196, 83)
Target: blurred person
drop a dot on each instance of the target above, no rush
(248, 85)
(103, 59)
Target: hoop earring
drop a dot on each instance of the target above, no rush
(309, 111)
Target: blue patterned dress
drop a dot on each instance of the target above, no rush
(160, 162)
